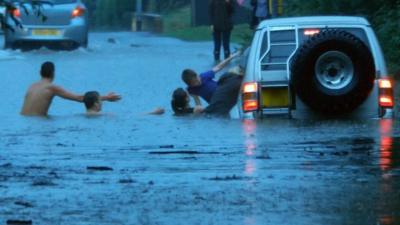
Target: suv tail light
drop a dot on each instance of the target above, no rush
(250, 97)
(386, 99)
(78, 11)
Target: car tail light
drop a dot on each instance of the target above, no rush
(311, 32)
(78, 11)
(250, 97)
(386, 99)
(15, 12)
(250, 88)
(250, 105)
(385, 83)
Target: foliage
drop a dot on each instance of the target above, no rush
(384, 16)
(168, 5)
(110, 13)
(177, 24)
(117, 14)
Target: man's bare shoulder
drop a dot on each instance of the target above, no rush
(42, 85)
(53, 88)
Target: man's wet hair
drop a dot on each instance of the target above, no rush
(188, 75)
(90, 98)
(179, 102)
(47, 70)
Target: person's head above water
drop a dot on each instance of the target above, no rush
(190, 78)
(180, 102)
(47, 70)
(92, 102)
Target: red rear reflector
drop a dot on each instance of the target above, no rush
(250, 88)
(385, 83)
(311, 32)
(386, 101)
(78, 11)
(250, 105)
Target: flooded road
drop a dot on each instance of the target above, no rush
(127, 167)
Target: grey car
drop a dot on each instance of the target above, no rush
(2, 11)
(327, 66)
(63, 22)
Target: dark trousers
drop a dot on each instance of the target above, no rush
(225, 96)
(225, 38)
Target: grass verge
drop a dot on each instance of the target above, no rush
(177, 24)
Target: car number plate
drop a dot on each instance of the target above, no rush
(275, 97)
(46, 32)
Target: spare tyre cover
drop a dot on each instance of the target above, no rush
(333, 72)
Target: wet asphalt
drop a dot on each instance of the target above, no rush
(126, 167)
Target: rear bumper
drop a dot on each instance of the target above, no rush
(369, 109)
(74, 33)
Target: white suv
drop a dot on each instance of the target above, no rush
(329, 66)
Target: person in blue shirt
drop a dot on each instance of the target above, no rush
(204, 85)
(222, 101)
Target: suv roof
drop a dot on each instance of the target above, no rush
(315, 20)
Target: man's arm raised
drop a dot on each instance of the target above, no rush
(61, 92)
(221, 65)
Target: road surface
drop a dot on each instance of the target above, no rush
(127, 167)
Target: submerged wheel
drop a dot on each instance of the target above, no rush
(333, 72)
(7, 43)
(86, 42)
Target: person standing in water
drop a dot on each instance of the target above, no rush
(39, 95)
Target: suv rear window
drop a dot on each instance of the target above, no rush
(282, 44)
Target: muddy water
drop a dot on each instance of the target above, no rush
(126, 167)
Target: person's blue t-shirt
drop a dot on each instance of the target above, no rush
(207, 87)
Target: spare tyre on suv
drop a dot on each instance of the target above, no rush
(316, 66)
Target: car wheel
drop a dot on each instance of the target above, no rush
(333, 72)
(7, 43)
(85, 43)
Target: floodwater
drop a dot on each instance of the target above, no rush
(126, 167)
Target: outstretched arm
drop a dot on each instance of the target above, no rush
(111, 97)
(157, 111)
(221, 65)
(61, 92)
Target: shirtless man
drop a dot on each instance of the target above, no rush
(40, 94)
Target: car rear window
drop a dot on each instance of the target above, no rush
(358, 32)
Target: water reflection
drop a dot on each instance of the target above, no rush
(389, 160)
(388, 201)
(250, 167)
(249, 128)
(388, 145)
